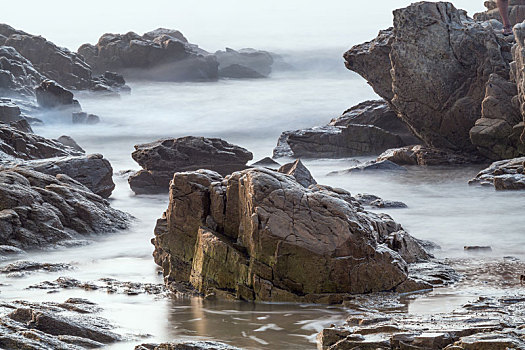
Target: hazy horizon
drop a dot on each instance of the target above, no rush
(277, 25)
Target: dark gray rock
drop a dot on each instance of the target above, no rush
(301, 173)
(377, 202)
(267, 162)
(49, 94)
(85, 118)
(503, 175)
(245, 63)
(9, 111)
(161, 159)
(384, 165)
(70, 142)
(191, 345)
(236, 71)
(18, 77)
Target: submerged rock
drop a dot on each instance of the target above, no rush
(370, 127)
(503, 175)
(433, 68)
(160, 159)
(38, 209)
(245, 63)
(260, 235)
(163, 55)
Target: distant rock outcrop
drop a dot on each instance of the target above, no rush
(160, 159)
(446, 76)
(260, 235)
(245, 63)
(368, 128)
(162, 54)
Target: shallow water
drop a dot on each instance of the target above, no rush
(252, 113)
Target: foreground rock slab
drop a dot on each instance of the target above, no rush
(260, 235)
(161, 159)
(503, 175)
(191, 345)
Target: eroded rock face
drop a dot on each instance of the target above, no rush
(245, 63)
(56, 63)
(439, 63)
(422, 155)
(160, 159)
(260, 235)
(49, 94)
(163, 55)
(38, 209)
(368, 128)
(503, 175)
(18, 77)
(516, 11)
(9, 111)
(518, 73)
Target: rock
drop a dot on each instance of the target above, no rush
(109, 82)
(503, 175)
(68, 141)
(368, 128)
(268, 163)
(160, 159)
(22, 125)
(518, 75)
(59, 64)
(382, 165)
(38, 209)
(377, 202)
(432, 68)
(163, 55)
(26, 146)
(516, 12)
(30, 266)
(245, 63)
(422, 155)
(260, 235)
(18, 77)
(477, 248)
(301, 174)
(85, 118)
(92, 171)
(51, 95)
(9, 111)
(492, 341)
(191, 345)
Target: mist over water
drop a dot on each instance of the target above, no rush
(311, 37)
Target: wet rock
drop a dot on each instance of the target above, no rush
(267, 162)
(26, 146)
(9, 111)
(432, 68)
(59, 64)
(85, 118)
(518, 75)
(374, 166)
(301, 174)
(516, 12)
(22, 125)
(70, 142)
(475, 248)
(37, 209)
(18, 77)
(245, 63)
(370, 127)
(503, 175)
(422, 155)
(162, 158)
(207, 237)
(371, 200)
(109, 82)
(49, 94)
(93, 171)
(29, 266)
(163, 55)
(192, 345)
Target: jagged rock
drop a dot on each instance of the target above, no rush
(301, 173)
(109, 82)
(192, 345)
(22, 125)
(162, 54)
(432, 68)
(92, 171)
(49, 94)
(516, 12)
(503, 175)
(26, 146)
(29, 266)
(9, 111)
(493, 133)
(245, 63)
(260, 235)
(84, 118)
(70, 142)
(373, 165)
(518, 74)
(38, 209)
(367, 128)
(267, 162)
(18, 77)
(421, 155)
(59, 64)
(371, 200)
(160, 159)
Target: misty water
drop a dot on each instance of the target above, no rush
(253, 113)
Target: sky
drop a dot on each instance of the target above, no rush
(213, 24)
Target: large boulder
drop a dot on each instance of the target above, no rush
(432, 68)
(37, 209)
(163, 55)
(516, 11)
(245, 63)
(160, 159)
(49, 94)
(260, 235)
(370, 127)
(56, 63)
(93, 171)
(503, 175)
